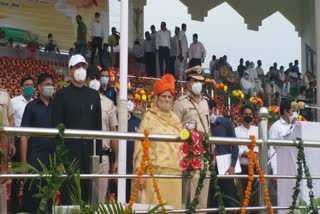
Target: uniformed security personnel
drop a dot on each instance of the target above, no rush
(6, 119)
(193, 111)
(78, 107)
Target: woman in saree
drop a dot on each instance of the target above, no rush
(165, 156)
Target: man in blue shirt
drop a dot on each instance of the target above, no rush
(37, 114)
(223, 127)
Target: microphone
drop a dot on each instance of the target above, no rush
(302, 105)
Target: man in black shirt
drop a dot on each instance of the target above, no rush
(78, 107)
(107, 86)
(37, 114)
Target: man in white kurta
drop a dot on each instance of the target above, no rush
(286, 156)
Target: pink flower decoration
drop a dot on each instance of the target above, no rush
(195, 137)
(201, 137)
(198, 149)
(184, 164)
(184, 148)
(195, 163)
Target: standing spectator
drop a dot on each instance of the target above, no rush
(213, 65)
(149, 55)
(137, 51)
(153, 33)
(109, 123)
(290, 68)
(193, 109)
(3, 40)
(6, 120)
(78, 107)
(182, 52)
(19, 104)
(106, 58)
(197, 52)
(37, 114)
(153, 36)
(296, 66)
(163, 46)
(81, 36)
(113, 42)
(98, 32)
(51, 45)
(241, 68)
(133, 125)
(260, 74)
(223, 127)
(107, 86)
(173, 51)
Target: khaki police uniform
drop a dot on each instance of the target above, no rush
(6, 111)
(188, 110)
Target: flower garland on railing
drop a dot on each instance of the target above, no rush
(197, 159)
(302, 168)
(145, 162)
(252, 161)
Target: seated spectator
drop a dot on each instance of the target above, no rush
(246, 85)
(3, 41)
(51, 45)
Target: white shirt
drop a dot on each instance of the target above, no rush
(184, 42)
(243, 132)
(245, 85)
(19, 104)
(174, 46)
(148, 46)
(278, 130)
(197, 51)
(97, 29)
(163, 39)
(259, 71)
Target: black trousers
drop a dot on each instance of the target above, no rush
(194, 62)
(228, 190)
(172, 64)
(96, 43)
(164, 57)
(150, 63)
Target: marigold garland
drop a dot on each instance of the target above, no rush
(145, 162)
(252, 161)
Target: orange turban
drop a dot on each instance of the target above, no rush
(166, 83)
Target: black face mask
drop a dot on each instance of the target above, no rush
(247, 119)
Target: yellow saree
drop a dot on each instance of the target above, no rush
(165, 158)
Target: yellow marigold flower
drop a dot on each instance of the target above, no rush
(225, 88)
(142, 91)
(251, 99)
(184, 134)
(270, 109)
(137, 96)
(242, 95)
(144, 97)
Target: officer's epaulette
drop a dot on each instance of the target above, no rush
(182, 97)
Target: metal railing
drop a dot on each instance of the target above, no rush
(263, 143)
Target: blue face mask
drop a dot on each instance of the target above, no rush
(28, 92)
(104, 80)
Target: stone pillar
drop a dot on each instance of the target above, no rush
(317, 40)
(136, 21)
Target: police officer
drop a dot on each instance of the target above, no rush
(6, 119)
(193, 111)
(192, 108)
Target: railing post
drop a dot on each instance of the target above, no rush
(94, 169)
(186, 190)
(263, 149)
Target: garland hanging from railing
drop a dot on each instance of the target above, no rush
(252, 161)
(302, 168)
(197, 159)
(145, 164)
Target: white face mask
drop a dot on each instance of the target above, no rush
(80, 75)
(48, 91)
(196, 88)
(130, 106)
(293, 118)
(212, 118)
(94, 84)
